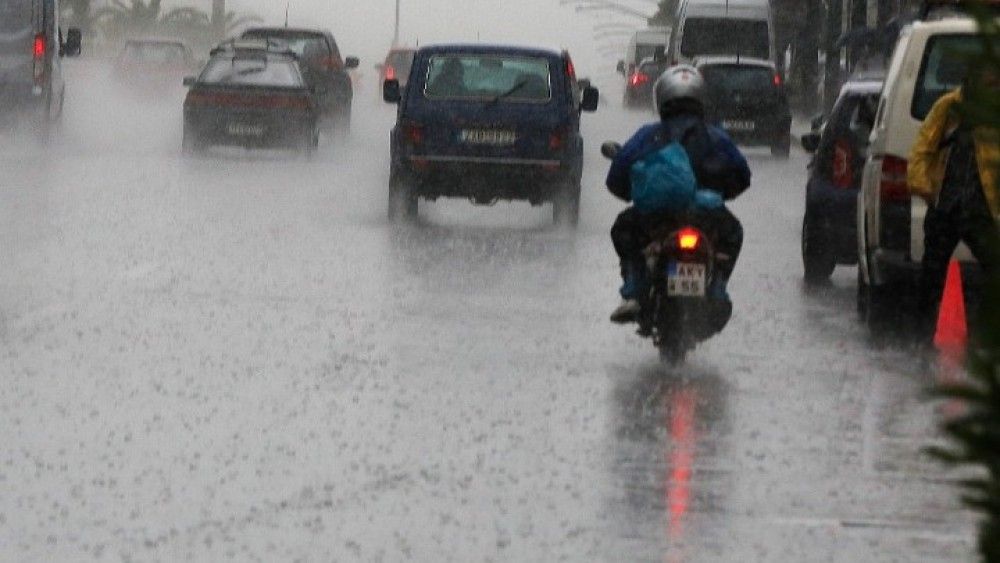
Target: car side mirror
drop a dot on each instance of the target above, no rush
(189, 81)
(591, 98)
(621, 67)
(810, 142)
(391, 92)
(610, 149)
(73, 45)
(352, 62)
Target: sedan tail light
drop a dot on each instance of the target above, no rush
(638, 79)
(893, 187)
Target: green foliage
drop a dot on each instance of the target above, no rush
(975, 436)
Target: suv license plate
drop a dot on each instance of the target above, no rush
(738, 125)
(491, 137)
(685, 279)
(237, 129)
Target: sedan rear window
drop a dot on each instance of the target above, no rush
(945, 65)
(252, 72)
(469, 76)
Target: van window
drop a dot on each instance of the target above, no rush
(943, 69)
(649, 51)
(715, 36)
(15, 27)
(470, 76)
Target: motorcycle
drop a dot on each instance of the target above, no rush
(677, 313)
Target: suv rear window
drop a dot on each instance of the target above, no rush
(471, 76)
(307, 46)
(943, 69)
(715, 36)
(737, 78)
(252, 71)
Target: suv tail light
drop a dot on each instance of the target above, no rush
(413, 133)
(777, 79)
(893, 188)
(390, 72)
(842, 165)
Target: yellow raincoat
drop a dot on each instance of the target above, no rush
(928, 159)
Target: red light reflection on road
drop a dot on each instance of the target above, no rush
(680, 458)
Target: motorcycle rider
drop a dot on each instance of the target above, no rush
(718, 166)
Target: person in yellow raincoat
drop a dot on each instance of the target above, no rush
(954, 166)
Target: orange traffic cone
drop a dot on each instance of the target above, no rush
(952, 333)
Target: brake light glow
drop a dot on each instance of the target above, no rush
(38, 47)
(843, 165)
(413, 133)
(570, 69)
(390, 72)
(777, 79)
(638, 79)
(557, 140)
(893, 187)
(688, 239)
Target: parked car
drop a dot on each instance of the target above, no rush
(928, 62)
(154, 64)
(488, 123)
(648, 43)
(251, 95)
(396, 66)
(323, 67)
(32, 46)
(839, 148)
(747, 98)
(639, 88)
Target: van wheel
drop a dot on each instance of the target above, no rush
(817, 260)
(566, 206)
(403, 199)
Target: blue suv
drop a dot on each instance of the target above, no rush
(488, 123)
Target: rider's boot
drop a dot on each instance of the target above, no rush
(629, 309)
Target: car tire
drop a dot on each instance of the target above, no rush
(817, 259)
(782, 149)
(191, 145)
(566, 206)
(403, 198)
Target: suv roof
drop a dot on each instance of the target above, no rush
(489, 49)
(732, 60)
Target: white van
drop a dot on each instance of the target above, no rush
(649, 43)
(742, 28)
(927, 63)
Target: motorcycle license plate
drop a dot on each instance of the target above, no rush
(685, 279)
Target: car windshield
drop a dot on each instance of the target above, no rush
(714, 36)
(252, 71)
(943, 69)
(472, 76)
(728, 78)
(154, 53)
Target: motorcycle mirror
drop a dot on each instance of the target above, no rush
(610, 149)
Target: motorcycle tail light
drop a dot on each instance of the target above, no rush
(688, 239)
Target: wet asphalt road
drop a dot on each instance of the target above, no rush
(238, 358)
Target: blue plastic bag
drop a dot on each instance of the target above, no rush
(664, 181)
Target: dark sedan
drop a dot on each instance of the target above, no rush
(839, 147)
(639, 87)
(252, 96)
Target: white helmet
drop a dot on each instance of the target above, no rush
(679, 86)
